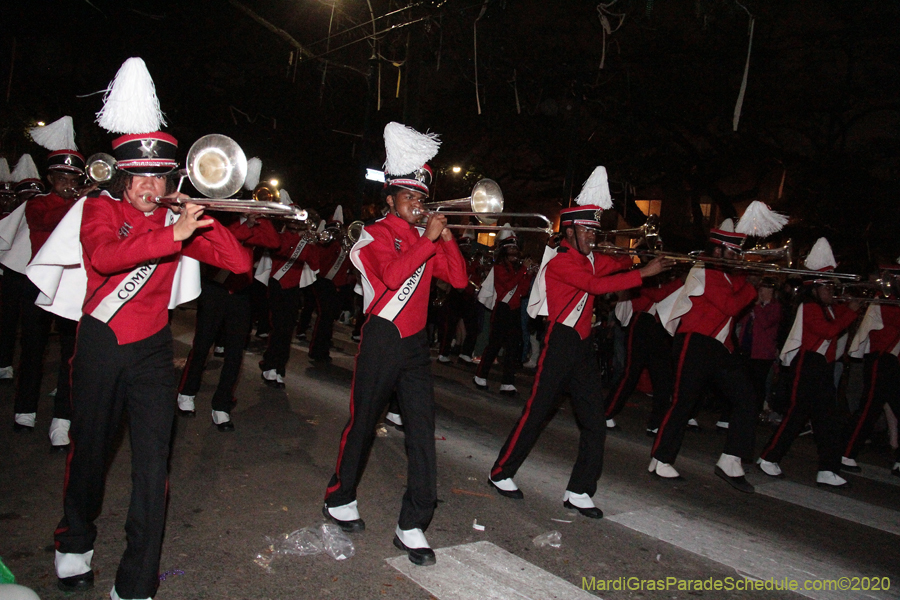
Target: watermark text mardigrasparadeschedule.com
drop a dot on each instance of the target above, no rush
(863, 584)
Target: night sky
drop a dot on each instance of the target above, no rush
(654, 104)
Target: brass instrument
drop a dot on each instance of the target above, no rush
(352, 233)
(868, 291)
(264, 192)
(726, 263)
(217, 167)
(486, 204)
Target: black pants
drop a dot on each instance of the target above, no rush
(107, 378)
(13, 290)
(308, 302)
(218, 310)
(386, 362)
(565, 360)
(450, 320)
(470, 312)
(36, 323)
(812, 398)
(259, 301)
(699, 361)
(328, 307)
(647, 346)
(506, 333)
(882, 385)
(284, 305)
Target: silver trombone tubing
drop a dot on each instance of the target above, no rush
(740, 265)
(548, 224)
(268, 209)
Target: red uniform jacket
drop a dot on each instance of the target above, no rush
(131, 258)
(648, 296)
(824, 324)
(263, 235)
(283, 258)
(511, 284)
(396, 264)
(328, 256)
(43, 214)
(712, 313)
(573, 280)
(886, 338)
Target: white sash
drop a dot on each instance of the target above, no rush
(872, 321)
(126, 291)
(337, 264)
(573, 317)
(401, 296)
(676, 305)
(509, 296)
(290, 263)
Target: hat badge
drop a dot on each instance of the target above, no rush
(598, 214)
(148, 149)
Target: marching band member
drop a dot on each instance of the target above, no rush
(293, 264)
(43, 213)
(568, 281)
(877, 342)
(123, 359)
(647, 345)
(224, 307)
(333, 284)
(812, 347)
(224, 303)
(502, 292)
(397, 261)
(15, 252)
(470, 310)
(702, 319)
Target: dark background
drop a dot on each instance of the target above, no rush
(821, 109)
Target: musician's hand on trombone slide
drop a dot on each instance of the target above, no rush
(656, 266)
(189, 221)
(436, 226)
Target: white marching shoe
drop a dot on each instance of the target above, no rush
(850, 465)
(663, 470)
(772, 469)
(186, 405)
(729, 468)
(59, 433)
(583, 504)
(830, 479)
(413, 542)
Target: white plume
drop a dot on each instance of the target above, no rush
(25, 169)
(338, 214)
(254, 168)
(130, 104)
(760, 220)
(4, 170)
(821, 256)
(595, 190)
(284, 197)
(59, 135)
(727, 225)
(407, 149)
(505, 232)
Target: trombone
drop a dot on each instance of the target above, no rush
(217, 167)
(486, 205)
(650, 232)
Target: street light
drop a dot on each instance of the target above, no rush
(457, 169)
(273, 183)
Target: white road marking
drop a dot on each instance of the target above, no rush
(752, 555)
(833, 504)
(876, 474)
(487, 572)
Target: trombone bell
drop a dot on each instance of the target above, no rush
(216, 166)
(486, 199)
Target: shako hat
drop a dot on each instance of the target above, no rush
(130, 107)
(59, 138)
(407, 154)
(590, 203)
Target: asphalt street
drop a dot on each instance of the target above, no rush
(232, 493)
